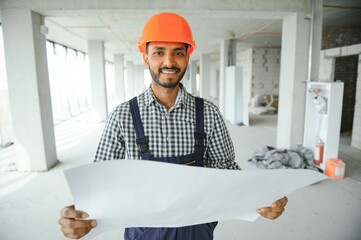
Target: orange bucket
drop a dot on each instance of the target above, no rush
(335, 168)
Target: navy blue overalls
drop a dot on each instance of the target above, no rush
(195, 232)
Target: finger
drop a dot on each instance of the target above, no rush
(270, 213)
(71, 223)
(281, 202)
(70, 212)
(273, 215)
(277, 210)
(75, 233)
(264, 211)
(270, 210)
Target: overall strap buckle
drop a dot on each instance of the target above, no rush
(143, 144)
(200, 139)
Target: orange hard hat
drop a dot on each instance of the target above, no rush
(166, 27)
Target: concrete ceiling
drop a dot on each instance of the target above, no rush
(342, 14)
(121, 30)
(120, 27)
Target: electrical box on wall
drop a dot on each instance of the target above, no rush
(323, 120)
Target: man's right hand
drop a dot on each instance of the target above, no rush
(72, 224)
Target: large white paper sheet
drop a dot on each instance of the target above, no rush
(139, 193)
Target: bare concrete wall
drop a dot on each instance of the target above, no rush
(338, 37)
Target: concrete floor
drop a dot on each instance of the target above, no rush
(30, 202)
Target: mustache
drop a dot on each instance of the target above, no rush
(169, 68)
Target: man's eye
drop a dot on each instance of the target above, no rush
(158, 53)
(179, 53)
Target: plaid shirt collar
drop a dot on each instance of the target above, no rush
(183, 98)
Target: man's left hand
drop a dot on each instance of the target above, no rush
(275, 210)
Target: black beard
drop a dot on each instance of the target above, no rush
(155, 77)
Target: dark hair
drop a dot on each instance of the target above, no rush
(146, 47)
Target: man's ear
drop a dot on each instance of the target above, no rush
(188, 56)
(145, 59)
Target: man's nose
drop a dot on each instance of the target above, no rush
(168, 60)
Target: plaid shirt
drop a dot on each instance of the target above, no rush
(170, 132)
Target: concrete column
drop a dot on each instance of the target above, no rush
(129, 93)
(193, 77)
(293, 76)
(214, 82)
(6, 134)
(356, 128)
(205, 76)
(29, 90)
(119, 77)
(232, 53)
(97, 80)
(223, 60)
(138, 75)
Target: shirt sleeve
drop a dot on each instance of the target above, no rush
(111, 145)
(220, 150)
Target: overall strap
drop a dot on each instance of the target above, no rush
(141, 139)
(200, 136)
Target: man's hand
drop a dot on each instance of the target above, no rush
(72, 225)
(275, 210)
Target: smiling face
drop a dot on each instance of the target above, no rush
(167, 62)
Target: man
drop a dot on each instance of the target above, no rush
(165, 123)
